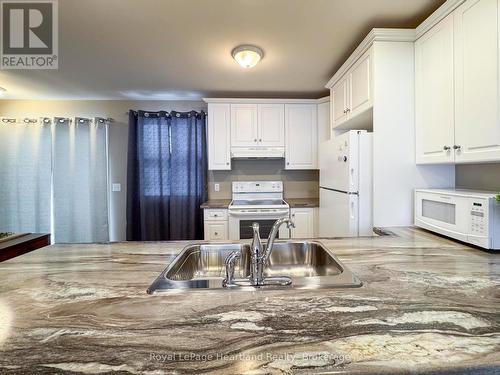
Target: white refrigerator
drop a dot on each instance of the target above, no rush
(346, 185)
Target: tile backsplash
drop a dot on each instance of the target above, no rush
(297, 184)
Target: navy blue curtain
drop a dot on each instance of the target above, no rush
(167, 175)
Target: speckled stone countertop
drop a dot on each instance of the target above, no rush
(216, 203)
(428, 305)
(303, 202)
(293, 202)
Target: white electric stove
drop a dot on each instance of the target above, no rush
(256, 201)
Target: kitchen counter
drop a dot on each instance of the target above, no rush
(293, 202)
(216, 203)
(427, 304)
(303, 202)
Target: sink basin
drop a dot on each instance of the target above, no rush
(309, 264)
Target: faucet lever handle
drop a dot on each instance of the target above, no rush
(229, 263)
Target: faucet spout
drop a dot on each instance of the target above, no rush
(256, 255)
(272, 237)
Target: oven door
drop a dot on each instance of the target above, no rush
(240, 223)
(442, 213)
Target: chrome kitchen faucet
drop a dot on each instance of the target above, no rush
(259, 258)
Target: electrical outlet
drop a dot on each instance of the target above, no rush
(217, 187)
(116, 187)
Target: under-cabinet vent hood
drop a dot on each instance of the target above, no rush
(257, 152)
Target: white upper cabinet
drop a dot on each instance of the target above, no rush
(324, 127)
(477, 127)
(219, 139)
(301, 134)
(257, 125)
(271, 125)
(339, 96)
(244, 131)
(360, 98)
(457, 87)
(435, 124)
(352, 94)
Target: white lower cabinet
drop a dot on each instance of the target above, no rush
(215, 224)
(216, 230)
(305, 220)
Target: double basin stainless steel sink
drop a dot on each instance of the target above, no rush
(308, 264)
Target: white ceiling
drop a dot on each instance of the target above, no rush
(181, 49)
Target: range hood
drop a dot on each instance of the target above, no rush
(257, 152)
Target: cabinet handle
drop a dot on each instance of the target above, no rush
(446, 148)
(227, 163)
(216, 233)
(348, 110)
(457, 147)
(345, 111)
(287, 163)
(260, 140)
(255, 140)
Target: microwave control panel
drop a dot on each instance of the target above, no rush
(478, 216)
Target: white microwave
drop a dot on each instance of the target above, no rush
(466, 215)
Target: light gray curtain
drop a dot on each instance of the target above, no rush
(80, 181)
(25, 176)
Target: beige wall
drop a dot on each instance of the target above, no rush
(478, 176)
(297, 183)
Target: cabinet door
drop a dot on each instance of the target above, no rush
(219, 130)
(324, 126)
(477, 128)
(271, 125)
(360, 92)
(244, 125)
(434, 95)
(304, 222)
(301, 133)
(216, 230)
(339, 98)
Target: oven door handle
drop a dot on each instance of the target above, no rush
(259, 214)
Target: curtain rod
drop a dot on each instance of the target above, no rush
(167, 112)
(49, 120)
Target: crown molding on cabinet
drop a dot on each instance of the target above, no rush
(324, 99)
(440, 13)
(375, 35)
(263, 101)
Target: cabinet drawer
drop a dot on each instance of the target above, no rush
(215, 214)
(216, 230)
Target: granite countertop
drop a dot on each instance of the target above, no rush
(216, 203)
(293, 202)
(427, 304)
(303, 202)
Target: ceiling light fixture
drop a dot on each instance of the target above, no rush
(247, 55)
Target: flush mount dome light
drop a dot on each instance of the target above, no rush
(247, 55)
